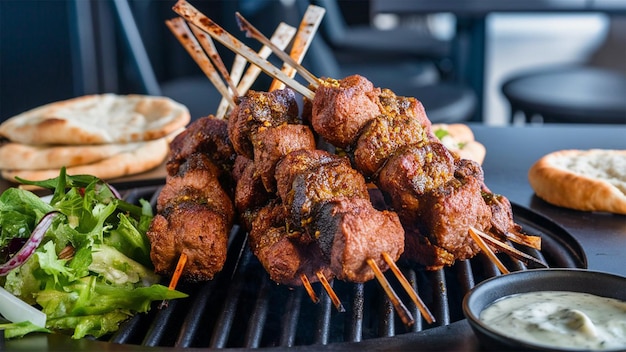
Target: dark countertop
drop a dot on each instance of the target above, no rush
(510, 153)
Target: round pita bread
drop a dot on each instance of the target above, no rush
(18, 156)
(587, 180)
(148, 156)
(97, 119)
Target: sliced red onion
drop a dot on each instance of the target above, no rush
(31, 245)
(115, 192)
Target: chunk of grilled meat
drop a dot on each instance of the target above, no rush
(341, 109)
(194, 229)
(411, 173)
(260, 110)
(194, 216)
(207, 135)
(270, 145)
(449, 211)
(250, 194)
(330, 201)
(320, 177)
(352, 231)
(280, 252)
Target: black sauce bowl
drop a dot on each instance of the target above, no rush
(574, 280)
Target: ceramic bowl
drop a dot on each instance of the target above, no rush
(575, 280)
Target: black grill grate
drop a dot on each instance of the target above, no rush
(242, 308)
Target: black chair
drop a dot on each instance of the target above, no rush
(367, 40)
(576, 94)
(445, 102)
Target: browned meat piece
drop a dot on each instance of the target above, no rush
(272, 144)
(196, 230)
(207, 135)
(418, 248)
(260, 110)
(197, 181)
(249, 191)
(342, 108)
(406, 106)
(413, 172)
(352, 231)
(502, 214)
(503, 224)
(295, 164)
(449, 211)
(280, 253)
(382, 138)
(320, 183)
(194, 216)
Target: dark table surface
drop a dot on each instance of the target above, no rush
(510, 153)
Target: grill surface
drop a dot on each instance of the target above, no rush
(243, 308)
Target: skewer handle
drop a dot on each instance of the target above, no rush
(192, 15)
(401, 309)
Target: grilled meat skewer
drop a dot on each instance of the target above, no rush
(436, 194)
(195, 211)
(310, 184)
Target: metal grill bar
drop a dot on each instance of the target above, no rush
(192, 321)
(159, 325)
(258, 317)
(323, 320)
(355, 327)
(290, 318)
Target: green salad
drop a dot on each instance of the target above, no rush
(78, 263)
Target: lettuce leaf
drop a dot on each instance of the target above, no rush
(92, 270)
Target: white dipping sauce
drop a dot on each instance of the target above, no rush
(560, 319)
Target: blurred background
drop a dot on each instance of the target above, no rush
(52, 50)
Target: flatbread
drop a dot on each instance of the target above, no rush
(39, 157)
(97, 119)
(148, 156)
(460, 139)
(587, 180)
(17, 156)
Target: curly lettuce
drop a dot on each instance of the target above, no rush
(92, 271)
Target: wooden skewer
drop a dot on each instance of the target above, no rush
(182, 260)
(284, 35)
(331, 293)
(209, 47)
(309, 289)
(485, 248)
(252, 32)
(281, 37)
(403, 312)
(191, 14)
(513, 252)
(306, 31)
(409, 289)
(526, 240)
(189, 42)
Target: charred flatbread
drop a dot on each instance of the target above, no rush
(97, 119)
(587, 180)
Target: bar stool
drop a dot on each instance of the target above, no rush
(576, 94)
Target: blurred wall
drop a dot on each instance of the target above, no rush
(35, 59)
